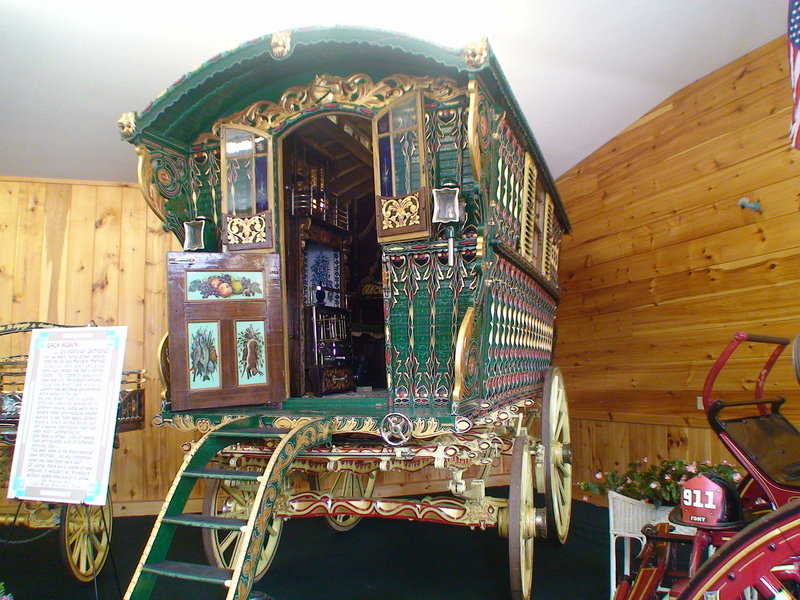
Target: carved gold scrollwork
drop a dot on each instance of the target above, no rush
(356, 90)
(246, 230)
(400, 212)
(147, 185)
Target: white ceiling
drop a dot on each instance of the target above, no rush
(582, 70)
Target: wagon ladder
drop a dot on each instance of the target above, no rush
(238, 578)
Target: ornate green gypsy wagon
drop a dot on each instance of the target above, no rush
(369, 283)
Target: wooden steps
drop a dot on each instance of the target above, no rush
(235, 581)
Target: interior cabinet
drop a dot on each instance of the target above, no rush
(329, 352)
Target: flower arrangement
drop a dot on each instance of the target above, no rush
(657, 483)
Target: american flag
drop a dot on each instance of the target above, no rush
(794, 64)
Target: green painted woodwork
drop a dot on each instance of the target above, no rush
(344, 408)
(426, 299)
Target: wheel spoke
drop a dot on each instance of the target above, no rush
(226, 540)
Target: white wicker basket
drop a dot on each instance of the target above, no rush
(627, 516)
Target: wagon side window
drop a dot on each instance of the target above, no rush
(400, 147)
(537, 242)
(245, 165)
(400, 170)
(549, 242)
(531, 238)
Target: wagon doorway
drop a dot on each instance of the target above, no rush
(333, 259)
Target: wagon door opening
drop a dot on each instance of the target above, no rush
(333, 259)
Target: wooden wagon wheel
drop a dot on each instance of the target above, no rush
(343, 484)
(760, 560)
(85, 538)
(521, 519)
(232, 499)
(554, 457)
(796, 356)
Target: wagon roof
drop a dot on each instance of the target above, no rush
(235, 79)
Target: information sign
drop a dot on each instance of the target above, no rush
(67, 423)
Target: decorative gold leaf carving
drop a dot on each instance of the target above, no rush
(476, 53)
(147, 185)
(127, 125)
(357, 90)
(400, 212)
(281, 44)
(246, 230)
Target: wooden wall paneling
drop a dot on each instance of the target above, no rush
(757, 272)
(766, 237)
(25, 290)
(582, 441)
(9, 216)
(128, 476)
(760, 76)
(718, 215)
(725, 138)
(676, 347)
(161, 453)
(54, 243)
(105, 272)
(629, 209)
(80, 255)
(663, 265)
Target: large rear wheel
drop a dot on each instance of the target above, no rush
(555, 456)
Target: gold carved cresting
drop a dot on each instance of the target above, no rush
(127, 124)
(358, 90)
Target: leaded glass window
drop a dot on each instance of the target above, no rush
(400, 147)
(245, 164)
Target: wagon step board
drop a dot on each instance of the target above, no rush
(189, 571)
(235, 581)
(227, 474)
(208, 522)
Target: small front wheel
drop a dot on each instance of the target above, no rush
(85, 538)
(521, 519)
(233, 499)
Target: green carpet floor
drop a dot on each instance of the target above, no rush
(378, 560)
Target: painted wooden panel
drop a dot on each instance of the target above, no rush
(663, 265)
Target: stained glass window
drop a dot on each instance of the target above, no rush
(400, 147)
(246, 165)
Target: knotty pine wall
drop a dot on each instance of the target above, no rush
(663, 266)
(74, 252)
